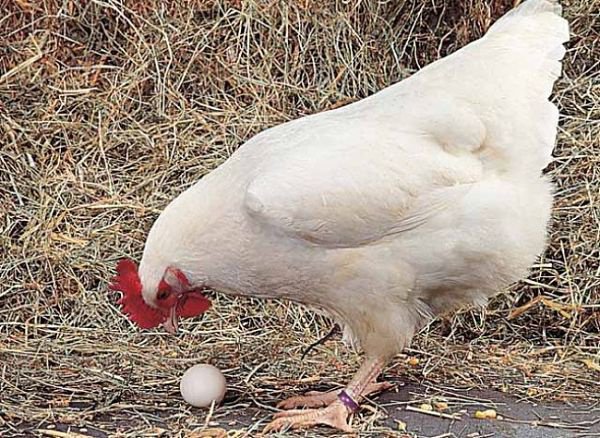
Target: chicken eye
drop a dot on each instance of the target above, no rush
(162, 294)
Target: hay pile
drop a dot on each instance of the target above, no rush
(107, 111)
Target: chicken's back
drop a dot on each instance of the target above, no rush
(491, 96)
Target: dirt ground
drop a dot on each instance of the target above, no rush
(109, 109)
(400, 412)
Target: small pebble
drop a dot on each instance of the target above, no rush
(401, 426)
(413, 361)
(440, 406)
(488, 414)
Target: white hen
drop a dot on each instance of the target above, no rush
(423, 197)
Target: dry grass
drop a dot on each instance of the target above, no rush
(108, 111)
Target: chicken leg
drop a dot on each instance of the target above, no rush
(318, 399)
(336, 413)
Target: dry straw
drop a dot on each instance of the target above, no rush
(108, 109)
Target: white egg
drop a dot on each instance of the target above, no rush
(202, 384)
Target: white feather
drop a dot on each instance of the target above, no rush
(420, 198)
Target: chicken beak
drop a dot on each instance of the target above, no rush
(172, 322)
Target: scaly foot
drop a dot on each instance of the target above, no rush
(317, 399)
(335, 415)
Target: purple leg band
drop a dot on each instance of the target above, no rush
(348, 401)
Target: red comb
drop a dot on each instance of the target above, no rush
(127, 281)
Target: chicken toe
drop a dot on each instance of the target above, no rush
(335, 415)
(318, 399)
(339, 403)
